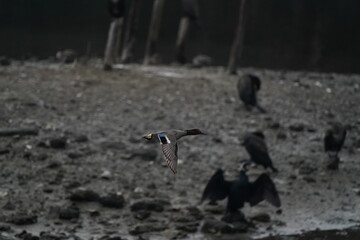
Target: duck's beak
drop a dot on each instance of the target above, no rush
(148, 137)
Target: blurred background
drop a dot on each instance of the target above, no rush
(320, 35)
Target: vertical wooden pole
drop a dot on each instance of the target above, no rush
(131, 22)
(109, 59)
(150, 51)
(180, 42)
(119, 31)
(238, 43)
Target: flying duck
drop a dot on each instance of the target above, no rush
(168, 142)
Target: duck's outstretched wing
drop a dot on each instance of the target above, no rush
(217, 188)
(170, 154)
(264, 189)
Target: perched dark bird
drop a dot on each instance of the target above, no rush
(116, 8)
(254, 143)
(66, 56)
(191, 10)
(240, 191)
(168, 142)
(334, 138)
(248, 86)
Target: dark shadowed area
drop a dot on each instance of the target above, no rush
(284, 34)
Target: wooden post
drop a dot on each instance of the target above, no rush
(150, 51)
(238, 42)
(109, 59)
(119, 30)
(180, 42)
(116, 9)
(131, 22)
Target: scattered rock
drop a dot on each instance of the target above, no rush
(281, 135)
(215, 209)
(306, 169)
(240, 227)
(142, 214)
(297, 127)
(58, 143)
(81, 139)
(261, 217)
(26, 236)
(68, 213)
(274, 125)
(147, 227)
(111, 238)
(216, 226)
(195, 212)
(105, 175)
(5, 228)
(54, 164)
(22, 219)
(189, 227)
(333, 163)
(234, 217)
(309, 179)
(84, 195)
(112, 201)
(150, 205)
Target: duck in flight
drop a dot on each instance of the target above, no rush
(168, 141)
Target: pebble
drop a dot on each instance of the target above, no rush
(70, 212)
(112, 201)
(22, 219)
(84, 195)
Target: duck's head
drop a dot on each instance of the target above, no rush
(149, 136)
(245, 165)
(194, 131)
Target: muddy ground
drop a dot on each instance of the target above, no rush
(90, 124)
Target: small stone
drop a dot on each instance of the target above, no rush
(215, 226)
(195, 212)
(58, 143)
(26, 236)
(84, 195)
(150, 205)
(309, 179)
(274, 125)
(190, 227)
(234, 217)
(240, 227)
(81, 139)
(333, 163)
(68, 213)
(142, 214)
(112, 201)
(261, 217)
(297, 127)
(147, 227)
(54, 164)
(5, 228)
(105, 175)
(215, 209)
(22, 219)
(281, 136)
